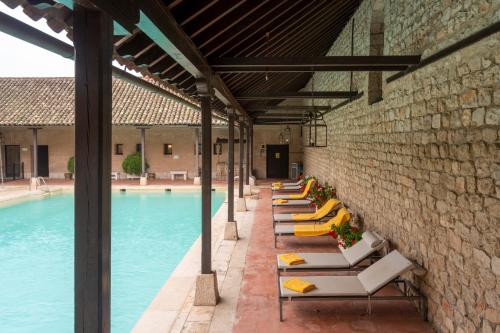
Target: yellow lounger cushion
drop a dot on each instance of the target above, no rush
(342, 217)
(299, 285)
(304, 193)
(319, 214)
(280, 201)
(292, 259)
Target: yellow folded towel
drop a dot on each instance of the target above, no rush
(343, 216)
(280, 201)
(292, 259)
(299, 285)
(276, 184)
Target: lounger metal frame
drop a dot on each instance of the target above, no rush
(408, 292)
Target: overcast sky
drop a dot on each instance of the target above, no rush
(21, 59)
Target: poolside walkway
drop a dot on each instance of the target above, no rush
(257, 308)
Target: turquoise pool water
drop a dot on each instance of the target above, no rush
(150, 235)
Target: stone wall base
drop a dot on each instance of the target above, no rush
(241, 205)
(207, 292)
(231, 231)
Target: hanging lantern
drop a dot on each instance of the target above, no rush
(287, 135)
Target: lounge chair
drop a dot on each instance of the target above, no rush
(282, 203)
(291, 203)
(349, 259)
(300, 230)
(297, 183)
(363, 286)
(297, 196)
(327, 209)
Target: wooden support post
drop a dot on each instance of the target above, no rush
(242, 154)
(144, 175)
(249, 171)
(197, 180)
(230, 159)
(34, 174)
(251, 149)
(143, 152)
(92, 35)
(206, 284)
(241, 203)
(230, 230)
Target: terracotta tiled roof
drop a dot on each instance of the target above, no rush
(50, 102)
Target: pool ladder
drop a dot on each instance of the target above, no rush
(41, 184)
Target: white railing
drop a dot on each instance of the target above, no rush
(41, 184)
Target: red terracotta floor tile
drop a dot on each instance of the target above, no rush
(257, 310)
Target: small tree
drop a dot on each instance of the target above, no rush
(132, 164)
(71, 165)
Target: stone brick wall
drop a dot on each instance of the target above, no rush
(422, 166)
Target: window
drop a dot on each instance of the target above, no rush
(167, 149)
(119, 149)
(138, 148)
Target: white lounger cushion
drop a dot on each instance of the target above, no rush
(289, 188)
(282, 196)
(362, 249)
(283, 217)
(316, 260)
(371, 239)
(326, 286)
(284, 229)
(384, 271)
(294, 203)
(365, 283)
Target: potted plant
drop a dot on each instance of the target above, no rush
(346, 235)
(321, 193)
(132, 164)
(71, 168)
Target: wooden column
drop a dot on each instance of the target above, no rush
(230, 161)
(92, 35)
(143, 152)
(204, 91)
(247, 174)
(197, 152)
(251, 148)
(206, 292)
(242, 153)
(35, 152)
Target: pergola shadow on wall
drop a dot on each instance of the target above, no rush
(233, 60)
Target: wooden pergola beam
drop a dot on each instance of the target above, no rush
(158, 23)
(312, 64)
(298, 95)
(289, 108)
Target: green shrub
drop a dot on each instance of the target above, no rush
(132, 164)
(71, 165)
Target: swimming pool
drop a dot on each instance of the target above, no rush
(151, 232)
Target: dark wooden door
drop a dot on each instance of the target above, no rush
(277, 161)
(12, 161)
(43, 161)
